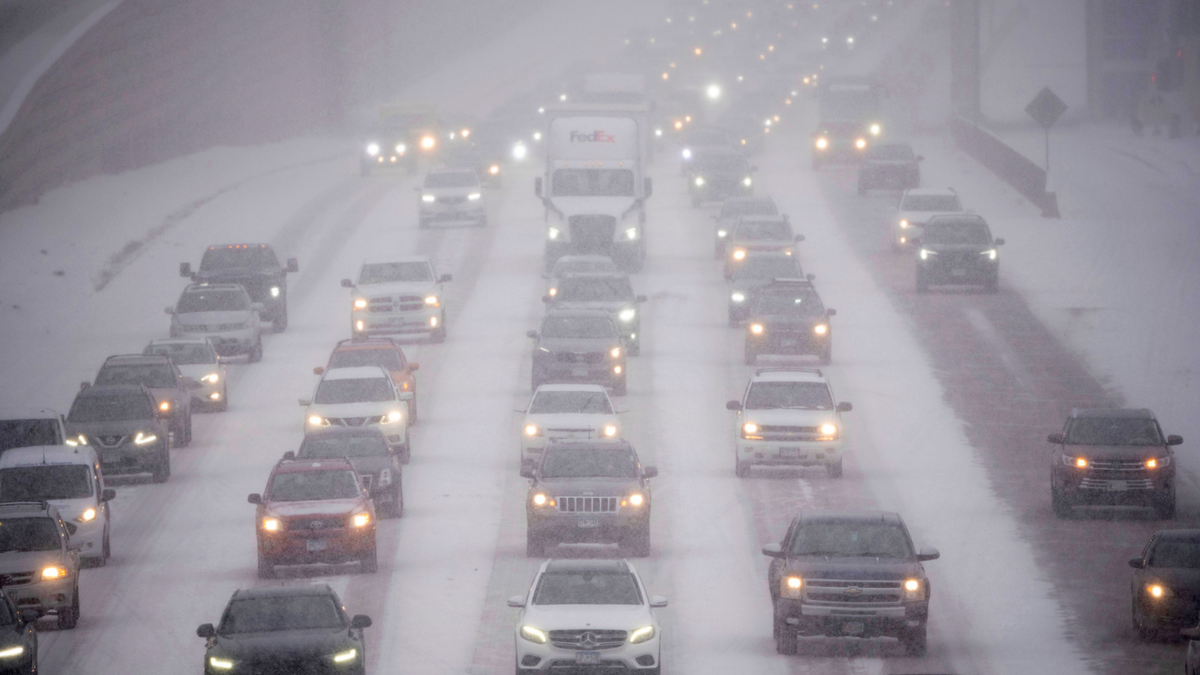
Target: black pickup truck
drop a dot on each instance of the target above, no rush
(254, 267)
(850, 574)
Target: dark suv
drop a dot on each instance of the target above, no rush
(253, 266)
(378, 466)
(172, 391)
(787, 317)
(589, 492)
(849, 574)
(1166, 584)
(18, 637)
(955, 250)
(718, 175)
(1112, 456)
(579, 345)
(285, 629)
(126, 428)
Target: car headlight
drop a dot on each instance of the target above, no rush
(750, 431)
(519, 151)
(553, 292)
(687, 153)
(87, 515)
(861, 144)
(552, 233)
(533, 635)
(81, 439)
(912, 587)
(494, 170)
(610, 430)
(12, 652)
(615, 352)
(820, 329)
(721, 233)
(738, 296)
(361, 519)
(1158, 462)
(432, 301)
(627, 314)
(926, 253)
(316, 420)
(631, 233)
(346, 656)
(903, 224)
(401, 148)
(533, 430)
(211, 378)
(699, 181)
(474, 196)
(875, 129)
(372, 149)
(739, 254)
(164, 406)
(756, 328)
(392, 417)
(822, 143)
(143, 438)
(427, 142)
(218, 663)
(791, 586)
(828, 432)
(641, 635)
(428, 199)
(1077, 462)
(360, 303)
(990, 253)
(539, 499)
(55, 572)
(1156, 590)
(274, 291)
(636, 499)
(746, 181)
(271, 524)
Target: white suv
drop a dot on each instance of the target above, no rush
(398, 295)
(566, 411)
(916, 207)
(223, 312)
(361, 396)
(452, 195)
(788, 417)
(587, 613)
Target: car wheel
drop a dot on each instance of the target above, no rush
(162, 470)
(922, 283)
(534, 546)
(637, 543)
(398, 501)
(369, 562)
(280, 323)
(439, 334)
(256, 352)
(1058, 502)
(751, 356)
(834, 470)
(69, 618)
(785, 637)
(266, 568)
(1164, 507)
(619, 387)
(105, 548)
(740, 468)
(187, 429)
(913, 641)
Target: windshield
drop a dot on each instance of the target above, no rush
(358, 445)
(452, 179)
(29, 534)
(956, 233)
(185, 354)
(239, 257)
(589, 463)
(38, 483)
(350, 358)
(748, 207)
(382, 273)
(851, 539)
(296, 612)
(721, 164)
(592, 183)
(892, 152)
(304, 486)
(1113, 431)
(24, 433)
(213, 301)
(930, 203)
(587, 588)
(767, 268)
(357, 390)
(791, 395)
(803, 302)
(1178, 553)
(578, 327)
(550, 402)
(110, 408)
(594, 289)
(155, 376)
(564, 267)
(771, 229)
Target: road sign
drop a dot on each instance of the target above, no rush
(1046, 108)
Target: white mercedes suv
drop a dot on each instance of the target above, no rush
(587, 613)
(566, 411)
(788, 417)
(360, 396)
(398, 295)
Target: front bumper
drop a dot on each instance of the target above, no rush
(43, 596)
(1114, 488)
(1169, 613)
(609, 372)
(840, 151)
(586, 528)
(720, 191)
(791, 343)
(846, 619)
(128, 458)
(546, 658)
(788, 453)
(457, 211)
(209, 393)
(425, 320)
(307, 547)
(959, 271)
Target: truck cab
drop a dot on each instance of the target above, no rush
(850, 120)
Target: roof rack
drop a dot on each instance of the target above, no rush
(789, 369)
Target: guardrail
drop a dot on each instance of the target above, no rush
(1011, 166)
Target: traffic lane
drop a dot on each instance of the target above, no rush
(1012, 383)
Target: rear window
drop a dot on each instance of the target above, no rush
(303, 486)
(250, 257)
(265, 615)
(213, 301)
(24, 433)
(351, 358)
(851, 539)
(184, 354)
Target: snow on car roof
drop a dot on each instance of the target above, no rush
(1109, 413)
(28, 414)
(38, 455)
(586, 565)
(356, 373)
(788, 375)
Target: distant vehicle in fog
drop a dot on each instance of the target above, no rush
(788, 317)
(401, 295)
(451, 195)
(611, 292)
(579, 345)
(359, 396)
(890, 166)
(734, 208)
(125, 427)
(718, 175)
(197, 358)
(222, 313)
(850, 112)
(566, 411)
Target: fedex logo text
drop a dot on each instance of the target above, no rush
(594, 137)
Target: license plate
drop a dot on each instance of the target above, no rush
(317, 545)
(853, 628)
(587, 658)
(1116, 486)
(789, 452)
(587, 522)
(579, 372)
(958, 272)
(789, 342)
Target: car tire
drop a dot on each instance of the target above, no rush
(256, 352)
(637, 543)
(1059, 503)
(412, 412)
(786, 640)
(266, 568)
(534, 546)
(105, 548)
(223, 404)
(620, 387)
(740, 468)
(162, 470)
(69, 618)
(438, 335)
(398, 501)
(280, 323)
(187, 429)
(1164, 507)
(914, 641)
(369, 562)
(834, 470)
(750, 356)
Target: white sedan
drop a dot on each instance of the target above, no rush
(566, 411)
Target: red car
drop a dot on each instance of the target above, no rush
(314, 512)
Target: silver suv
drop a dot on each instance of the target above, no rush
(222, 311)
(39, 566)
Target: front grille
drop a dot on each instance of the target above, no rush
(402, 303)
(577, 357)
(380, 304)
(230, 326)
(1117, 465)
(592, 233)
(587, 639)
(110, 441)
(313, 666)
(451, 200)
(16, 579)
(587, 504)
(309, 523)
(1116, 485)
(352, 421)
(572, 668)
(853, 593)
(560, 430)
(410, 303)
(775, 432)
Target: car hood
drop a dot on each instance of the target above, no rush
(610, 306)
(723, 173)
(15, 562)
(114, 428)
(421, 288)
(1173, 577)
(283, 644)
(957, 248)
(587, 487)
(891, 162)
(556, 344)
(855, 569)
(209, 318)
(568, 617)
(589, 206)
(70, 509)
(762, 243)
(1126, 452)
(199, 370)
(810, 418)
(748, 284)
(592, 421)
(320, 507)
(364, 409)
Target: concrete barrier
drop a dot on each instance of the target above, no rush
(1011, 166)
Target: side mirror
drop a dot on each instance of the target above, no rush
(648, 186)
(346, 283)
(773, 551)
(169, 310)
(517, 600)
(360, 621)
(319, 370)
(206, 631)
(305, 402)
(290, 454)
(533, 334)
(810, 277)
(1057, 439)
(640, 299)
(445, 278)
(547, 299)
(1137, 563)
(799, 238)
(28, 615)
(185, 270)
(84, 385)
(526, 471)
(928, 553)
(413, 366)
(108, 494)
(537, 189)
(734, 405)
(831, 312)
(1174, 440)
(999, 241)
(650, 472)
(254, 498)
(845, 406)
(293, 265)
(658, 601)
